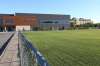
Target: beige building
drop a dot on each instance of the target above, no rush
(81, 21)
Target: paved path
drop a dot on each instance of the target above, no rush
(4, 37)
(10, 55)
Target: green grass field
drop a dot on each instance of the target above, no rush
(68, 48)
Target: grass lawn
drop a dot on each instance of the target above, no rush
(68, 48)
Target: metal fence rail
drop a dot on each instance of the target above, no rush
(29, 55)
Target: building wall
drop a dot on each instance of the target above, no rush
(62, 20)
(26, 21)
(12, 23)
(8, 23)
(9, 20)
(23, 28)
(1, 21)
(54, 24)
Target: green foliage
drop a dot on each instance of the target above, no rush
(68, 48)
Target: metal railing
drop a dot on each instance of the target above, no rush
(29, 55)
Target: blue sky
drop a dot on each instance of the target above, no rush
(76, 8)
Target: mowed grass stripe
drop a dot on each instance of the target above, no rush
(68, 48)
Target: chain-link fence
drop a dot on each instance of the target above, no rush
(29, 55)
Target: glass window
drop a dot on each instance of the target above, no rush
(9, 22)
(1, 21)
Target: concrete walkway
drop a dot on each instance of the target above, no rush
(10, 55)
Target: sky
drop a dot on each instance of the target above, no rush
(76, 8)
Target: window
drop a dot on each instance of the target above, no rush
(50, 22)
(1, 21)
(47, 22)
(9, 22)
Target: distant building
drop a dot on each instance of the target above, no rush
(50, 21)
(81, 21)
(29, 21)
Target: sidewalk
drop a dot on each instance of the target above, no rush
(9, 56)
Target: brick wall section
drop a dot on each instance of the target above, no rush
(26, 20)
(19, 20)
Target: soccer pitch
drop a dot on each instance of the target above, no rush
(68, 48)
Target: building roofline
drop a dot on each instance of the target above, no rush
(41, 14)
(6, 14)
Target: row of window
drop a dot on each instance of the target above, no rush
(8, 21)
(50, 22)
